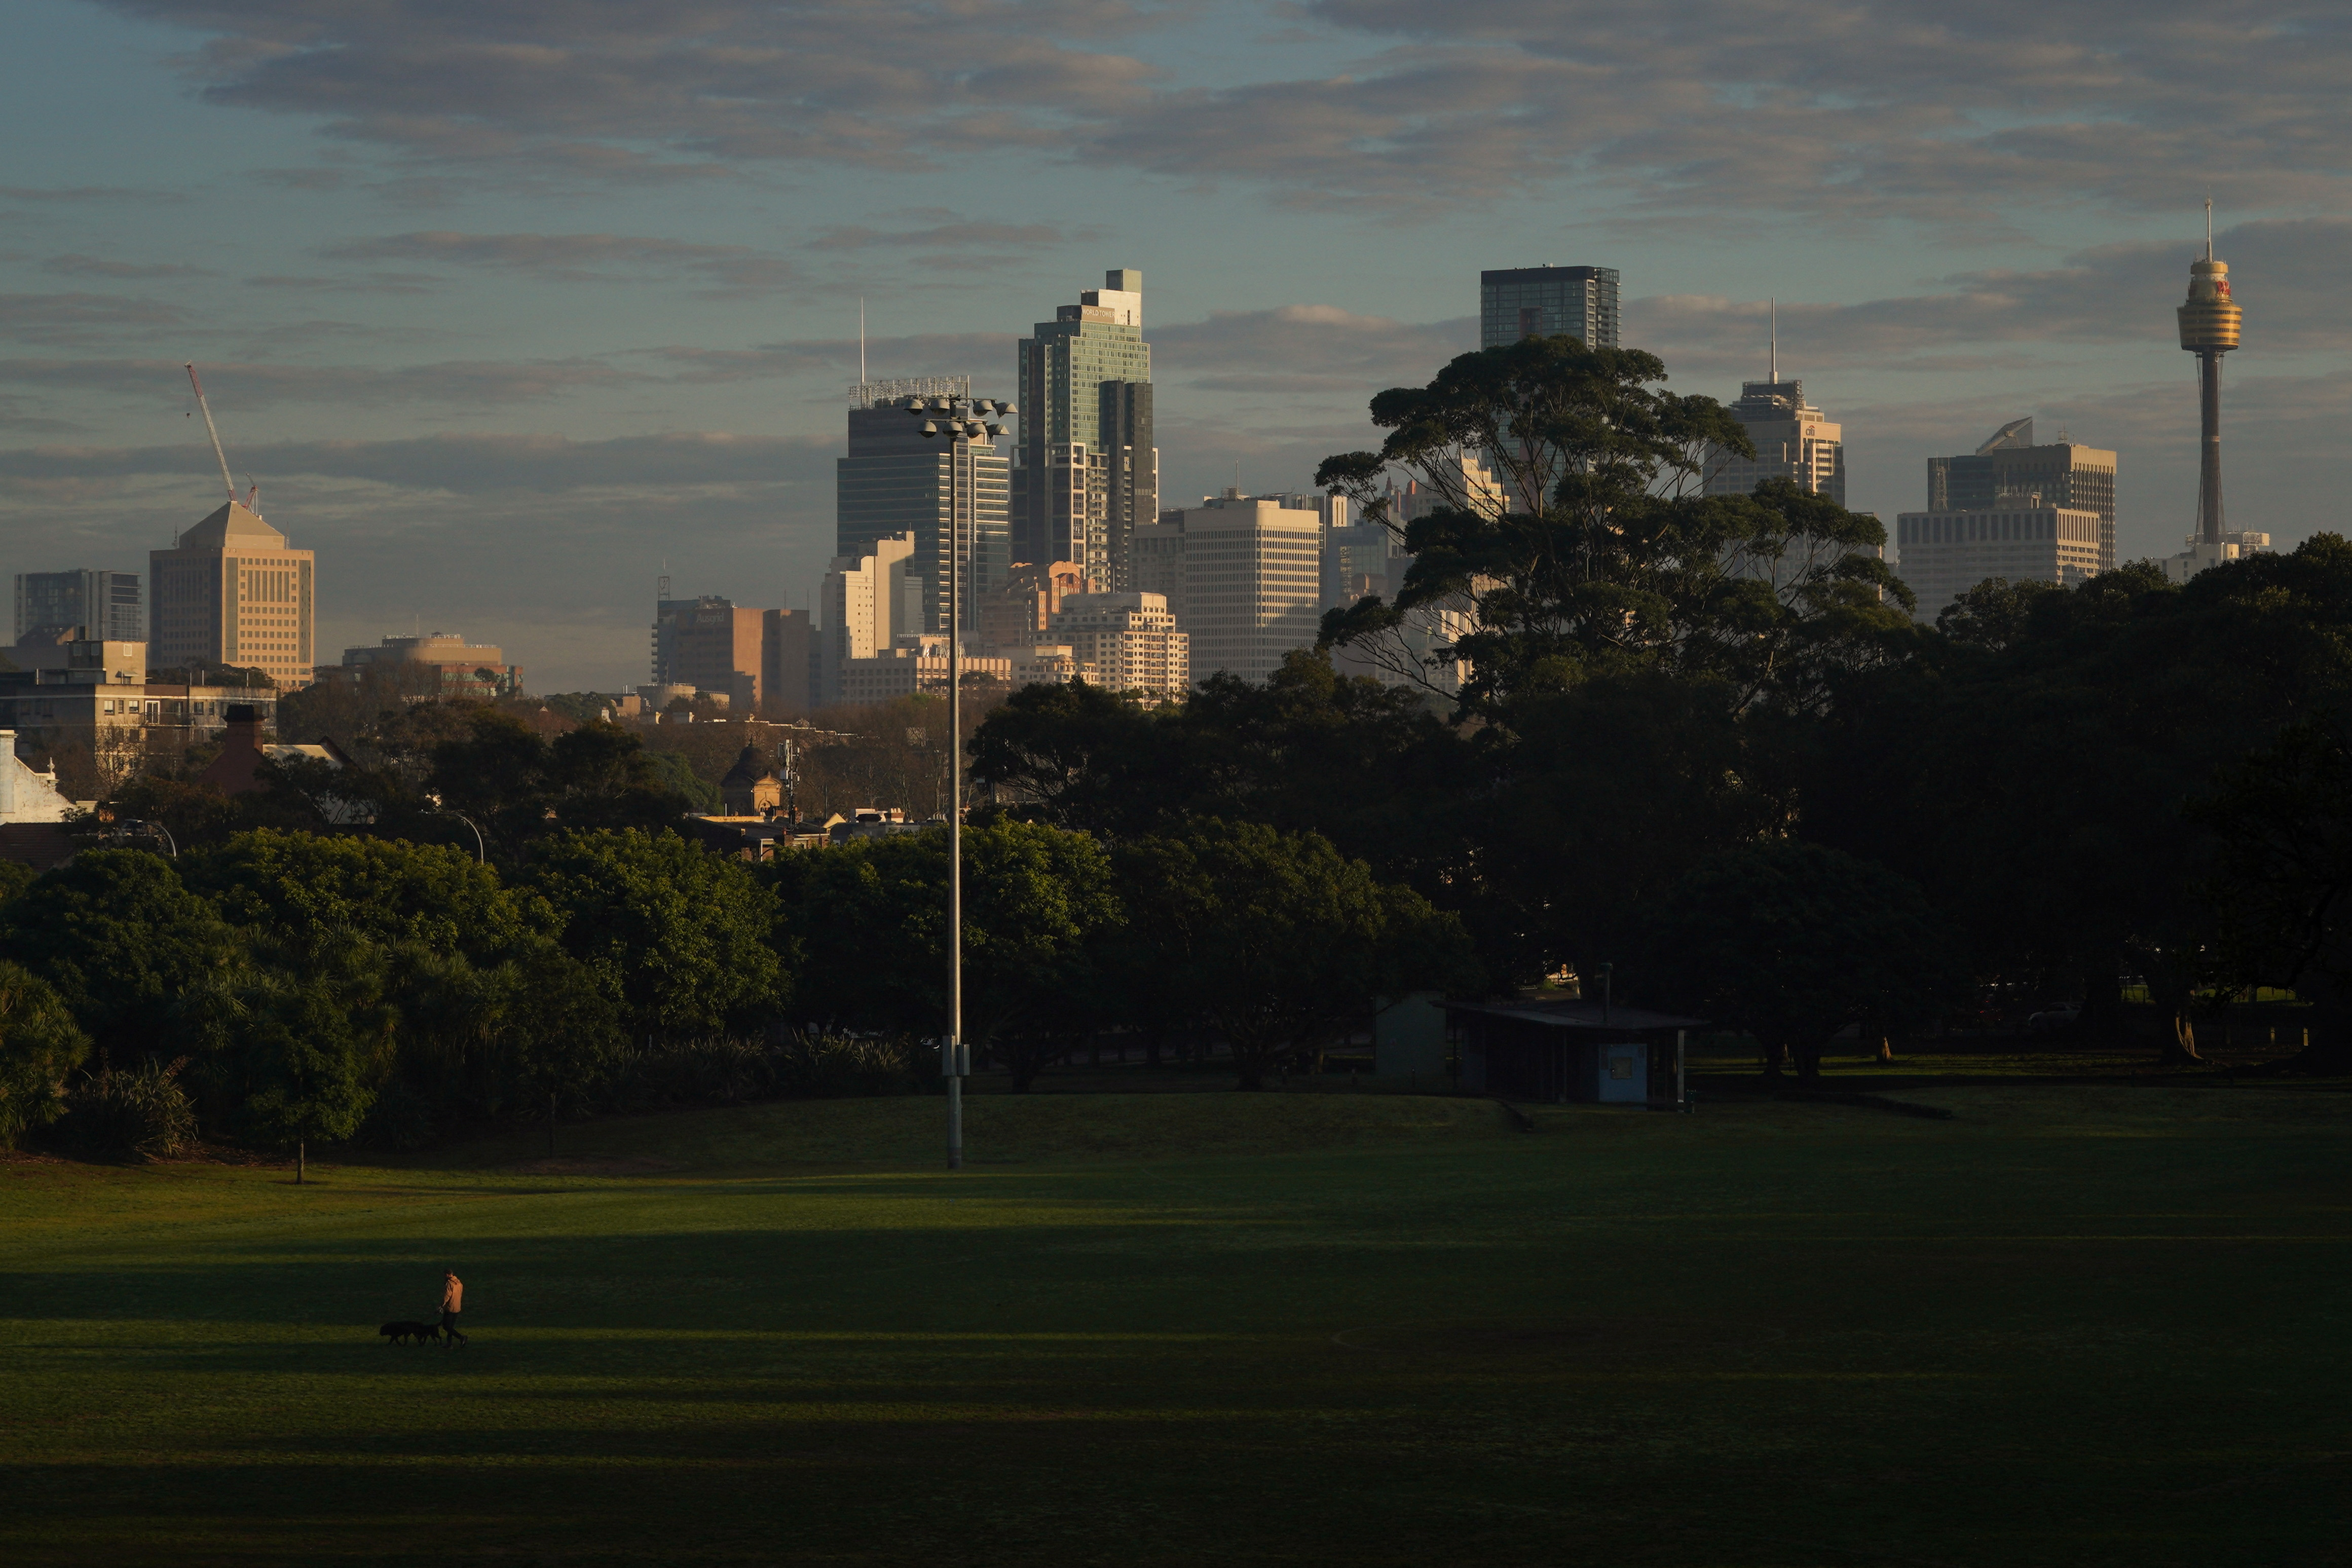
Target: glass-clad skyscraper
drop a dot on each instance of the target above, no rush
(1087, 471)
(1517, 302)
(896, 481)
(104, 604)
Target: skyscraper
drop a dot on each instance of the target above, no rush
(1793, 441)
(1086, 471)
(2067, 474)
(105, 604)
(896, 481)
(870, 599)
(233, 593)
(1517, 302)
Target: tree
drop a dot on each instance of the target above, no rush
(391, 890)
(691, 943)
(124, 941)
(1599, 549)
(1288, 946)
(39, 1045)
(1792, 943)
(2282, 880)
(871, 916)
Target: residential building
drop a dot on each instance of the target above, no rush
(1017, 614)
(2067, 474)
(914, 664)
(1131, 640)
(870, 601)
(2018, 538)
(1159, 561)
(896, 481)
(232, 593)
(2200, 552)
(1046, 663)
(440, 664)
(1252, 578)
(87, 603)
(1085, 470)
(100, 697)
(1517, 302)
(1792, 439)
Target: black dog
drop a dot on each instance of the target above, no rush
(417, 1332)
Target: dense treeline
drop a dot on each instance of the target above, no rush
(286, 988)
(1703, 741)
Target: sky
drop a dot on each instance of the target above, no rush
(512, 306)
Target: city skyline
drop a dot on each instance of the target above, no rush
(501, 379)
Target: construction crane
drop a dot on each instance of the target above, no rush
(226, 483)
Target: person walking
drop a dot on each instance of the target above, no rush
(453, 1302)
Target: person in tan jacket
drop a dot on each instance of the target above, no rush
(453, 1302)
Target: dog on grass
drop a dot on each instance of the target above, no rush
(415, 1333)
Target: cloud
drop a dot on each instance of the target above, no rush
(363, 283)
(2288, 275)
(462, 464)
(1854, 110)
(950, 230)
(94, 266)
(456, 383)
(986, 357)
(1306, 348)
(72, 319)
(85, 194)
(726, 270)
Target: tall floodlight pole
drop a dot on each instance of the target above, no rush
(962, 420)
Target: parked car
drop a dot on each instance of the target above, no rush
(2051, 1020)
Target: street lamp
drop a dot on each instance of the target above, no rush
(961, 420)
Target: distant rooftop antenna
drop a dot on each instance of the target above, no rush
(861, 335)
(1774, 306)
(230, 485)
(2209, 228)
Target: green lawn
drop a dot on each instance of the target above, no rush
(2073, 1326)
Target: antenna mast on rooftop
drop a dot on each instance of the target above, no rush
(1773, 305)
(226, 483)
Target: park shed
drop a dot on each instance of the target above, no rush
(1551, 1052)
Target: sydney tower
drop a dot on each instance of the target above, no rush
(2209, 329)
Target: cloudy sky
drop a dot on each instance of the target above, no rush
(511, 304)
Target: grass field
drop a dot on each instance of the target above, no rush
(2071, 1326)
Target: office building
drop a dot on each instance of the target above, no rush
(1086, 471)
(754, 661)
(870, 601)
(1252, 581)
(896, 481)
(1793, 441)
(2020, 537)
(232, 593)
(87, 604)
(2066, 474)
(442, 664)
(1517, 302)
(1131, 640)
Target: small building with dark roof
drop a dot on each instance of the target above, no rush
(1555, 1052)
(751, 787)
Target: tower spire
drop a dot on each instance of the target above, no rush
(1775, 361)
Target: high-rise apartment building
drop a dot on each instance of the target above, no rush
(1251, 571)
(2067, 474)
(1517, 302)
(1792, 439)
(1086, 471)
(713, 645)
(231, 592)
(870, 601)
(1017, 615)
(1130, 640)
(896, 481)
(99, 605)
